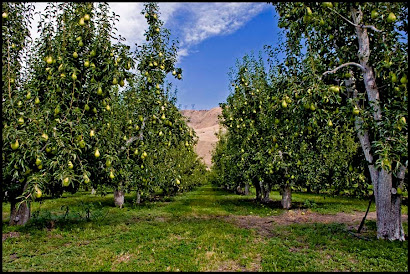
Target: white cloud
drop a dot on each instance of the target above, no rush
(168, 9)
(131, 24)
(218, 19)
(39, 7)
(205, 20)
(182, 52)
(191, 22)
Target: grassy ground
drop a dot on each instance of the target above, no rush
(193, 231)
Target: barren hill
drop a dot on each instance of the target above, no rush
(205, 123)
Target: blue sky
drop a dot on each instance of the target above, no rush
(212, 36)
(205, 71)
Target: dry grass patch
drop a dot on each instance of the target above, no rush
(10, 235)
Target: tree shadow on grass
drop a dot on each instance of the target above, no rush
(88, 216)
(250, 203)
(79, 210)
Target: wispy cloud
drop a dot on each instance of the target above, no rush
(182, 52)
(132, 23)
(196, 22)
(191, 22)
(212, 19)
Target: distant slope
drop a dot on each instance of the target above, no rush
(205, 124)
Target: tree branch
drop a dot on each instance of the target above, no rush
(134, 138)
(353, 24)
(370, 27)
(362, 134)
(345, 65)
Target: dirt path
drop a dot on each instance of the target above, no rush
(209, 199)
(264, 225)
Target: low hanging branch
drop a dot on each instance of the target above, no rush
(345, 65)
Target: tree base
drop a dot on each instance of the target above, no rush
(286, 197)
(119, 198)
(20, 215)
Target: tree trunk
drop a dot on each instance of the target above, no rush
(239, 190)
(266, 192)
(388, 204)
(138, 197)
(286, 197)
(118, 198)
(247, 188)
(19, 211)
(257, 186)
(368, 75)
(388, 209)
(93, 191)
(20, 215)
(263, 191)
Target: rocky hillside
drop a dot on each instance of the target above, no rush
(205, 123)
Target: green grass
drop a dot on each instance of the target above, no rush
(192, 232)
(321, 247)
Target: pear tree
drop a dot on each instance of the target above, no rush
(363, 55)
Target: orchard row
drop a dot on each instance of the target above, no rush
(331, 116)
(81, 110)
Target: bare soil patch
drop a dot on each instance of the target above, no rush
(265, 225)
(199, 119)
(205, 124)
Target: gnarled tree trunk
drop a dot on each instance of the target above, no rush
(262, 188)
(388, 203)
(388, 209)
